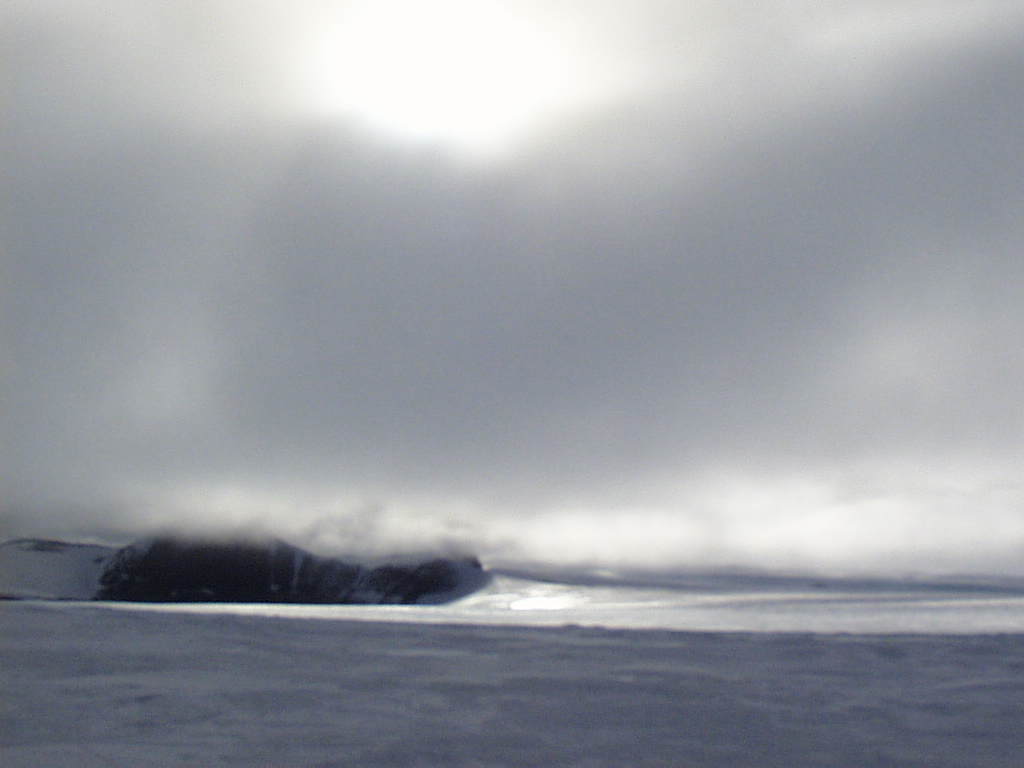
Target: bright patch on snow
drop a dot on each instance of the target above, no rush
(546, 603)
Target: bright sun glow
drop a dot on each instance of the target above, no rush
(469, 72)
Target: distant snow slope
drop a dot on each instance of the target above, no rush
(85, 685)
(45, 569)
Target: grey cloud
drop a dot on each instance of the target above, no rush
(802, 283)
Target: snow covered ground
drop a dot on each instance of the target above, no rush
(524, 672)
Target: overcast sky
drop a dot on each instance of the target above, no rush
(610, 283)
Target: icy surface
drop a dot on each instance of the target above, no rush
(104, 684)
(723, 608)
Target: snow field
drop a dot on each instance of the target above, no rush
(84, 685)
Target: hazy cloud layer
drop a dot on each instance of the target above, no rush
(757, 302)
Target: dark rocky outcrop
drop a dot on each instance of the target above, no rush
(168, 569)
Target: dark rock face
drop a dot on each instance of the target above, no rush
(174, 570)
